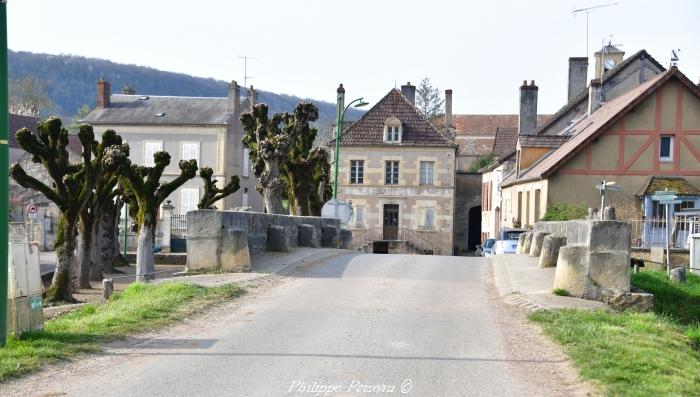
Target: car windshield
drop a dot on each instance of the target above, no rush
(489, 243)
(512, 235)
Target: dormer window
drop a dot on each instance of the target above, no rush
(393, 130)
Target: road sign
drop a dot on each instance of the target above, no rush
(337, 209)
(32, 209)
(666, 201)
(612, 188)
(660, 197)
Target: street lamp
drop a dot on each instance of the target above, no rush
(339, 130)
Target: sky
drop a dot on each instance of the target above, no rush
(481, 50)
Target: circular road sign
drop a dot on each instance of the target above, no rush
(32, 209)
(343, 211)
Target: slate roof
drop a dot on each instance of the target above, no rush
(17, 122)
(506, 140)
(582, 98)
(417, 130)
(590, 127)
(543, 141)
(654, 183)
(175, 110)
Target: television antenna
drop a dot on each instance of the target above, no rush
(587, 11)
(674, 57)
(245, 68)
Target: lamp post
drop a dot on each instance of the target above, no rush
(4, 177)
(338, 133)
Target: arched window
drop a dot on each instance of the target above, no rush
(393, 130)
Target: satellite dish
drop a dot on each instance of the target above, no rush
(338, 209)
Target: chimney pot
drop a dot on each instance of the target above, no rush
(409, 91)
(340, 88)
(448, 113)
(578, 76)
(594, 96)
(234, 97)
(103, 94)
(527, 118)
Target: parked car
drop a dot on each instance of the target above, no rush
(502, 247)
(486, 248)
(510, 234)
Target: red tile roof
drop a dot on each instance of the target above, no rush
(595, 124)
(506, 140)
(417, 130)
(487, 124)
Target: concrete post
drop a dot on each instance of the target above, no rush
(107, 289)
(536, 244)
(550, 250)
(166, 225)
(521, 243)
(527, 243)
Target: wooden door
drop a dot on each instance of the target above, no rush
(391, 221)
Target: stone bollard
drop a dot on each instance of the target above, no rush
(678, 274)
(536, 244)
(235, 256)
(657, 259)
(107, 289)
(329, 236)
(550, 250)
(521, 243)
(345, 239)
(309, 236)
(592, 214)
(527, 243)
(609, 214)
(277, 239)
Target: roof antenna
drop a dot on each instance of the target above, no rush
(245, 68)
(588, 10)
(674, 57)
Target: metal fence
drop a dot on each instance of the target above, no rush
(178, 225)
(647, 233)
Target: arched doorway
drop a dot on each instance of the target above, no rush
(474, 233)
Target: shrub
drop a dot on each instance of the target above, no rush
(565, 212)
(481, 162)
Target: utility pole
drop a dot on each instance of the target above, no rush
(4, 176)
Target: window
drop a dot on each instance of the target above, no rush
(359, 214)
(190, 151)
(244, 202)
(188, 200)
(149, 149)
(392, 134)
(428, 219)
(357, 171)
(666, 148)
(426, 173)
(392, 130)
(246, 163)
(392, 173)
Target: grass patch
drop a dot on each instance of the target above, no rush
(140, 307)
(560, 292)
(637, 354)
(629, 354)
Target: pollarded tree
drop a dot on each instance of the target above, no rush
(268, 146)
(303, 159)
(212, 193)
(70, 191)
(320, 180)
(149, 192)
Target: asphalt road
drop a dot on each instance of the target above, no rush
(356, 325)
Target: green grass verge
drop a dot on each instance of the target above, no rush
(636, 354)
(628, 354)
(139, 308)
(560, 292)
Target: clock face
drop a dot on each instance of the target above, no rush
(609, 64)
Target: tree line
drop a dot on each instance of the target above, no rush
(89, 194)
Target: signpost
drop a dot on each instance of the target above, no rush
(667, 198)
(603, 186)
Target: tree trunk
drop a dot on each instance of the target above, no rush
(83, 256)
(145, 257)
(273, 201)
(316, 199)
(302, 196)
(60, 289)
(272, 188)
(96, 257)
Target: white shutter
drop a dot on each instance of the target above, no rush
(359, 215)
(190, 151)
(149, 149)
(429, 215)
(188, 200)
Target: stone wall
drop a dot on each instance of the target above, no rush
(576, 232)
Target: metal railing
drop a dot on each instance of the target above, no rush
(647, 233)
(376, 233)
(178, 225)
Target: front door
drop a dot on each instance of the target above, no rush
(391, 221)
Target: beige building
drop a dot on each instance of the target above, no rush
(201, 128)
(648, 136)
(399, 172)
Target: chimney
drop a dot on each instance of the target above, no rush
(252, 96)
(448, 112)
(594, 96)
(409, 91)
(102, 94)
(527, 120)
(578, 75)
(234, 97)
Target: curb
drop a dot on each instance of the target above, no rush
(508, 291)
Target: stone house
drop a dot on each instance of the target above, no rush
(398, 171)
(645, 139)
(203, 128)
